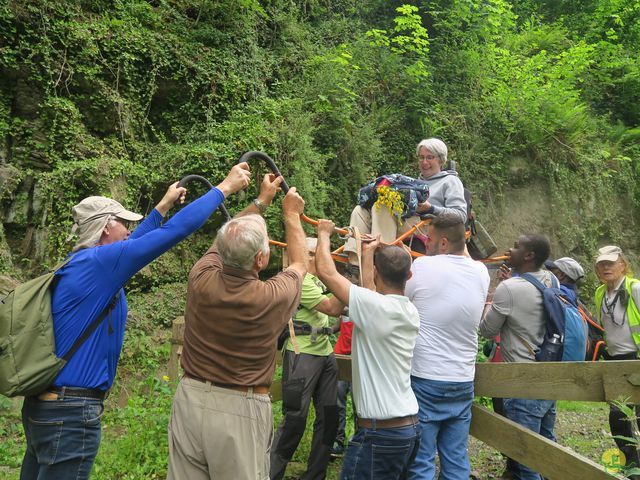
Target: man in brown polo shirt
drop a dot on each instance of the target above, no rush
(221, 421)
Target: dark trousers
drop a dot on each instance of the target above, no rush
(63, 437)
(620, 424)
(320, 384)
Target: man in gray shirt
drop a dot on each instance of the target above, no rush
(517, 314)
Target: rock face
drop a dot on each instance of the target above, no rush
(119, 101)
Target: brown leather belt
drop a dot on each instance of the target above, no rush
(260, 389)
(388, 422)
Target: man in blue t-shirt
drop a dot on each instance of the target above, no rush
(62, 424)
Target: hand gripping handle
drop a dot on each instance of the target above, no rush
(191, 178)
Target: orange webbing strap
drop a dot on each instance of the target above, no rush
(588, 318)
(596, 349)
(292, 337)
(311, 221)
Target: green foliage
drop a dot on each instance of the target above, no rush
(408, 38)
(120, 98)
(123, 97)
(11, 434)
(135, 436)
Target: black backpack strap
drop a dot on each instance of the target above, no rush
(91, 328)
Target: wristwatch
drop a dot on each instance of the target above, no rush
(261, 206)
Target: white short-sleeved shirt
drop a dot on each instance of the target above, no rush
(449, 292)
(384, 336)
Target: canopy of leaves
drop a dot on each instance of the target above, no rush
(122, 97)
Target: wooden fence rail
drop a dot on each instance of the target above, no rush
(579, 381)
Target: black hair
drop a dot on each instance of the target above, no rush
(539, 245)
(450, 226)
(393, 264)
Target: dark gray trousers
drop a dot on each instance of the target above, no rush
(320, 384)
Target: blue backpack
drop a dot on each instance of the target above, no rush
(565, 337)
(413, 191)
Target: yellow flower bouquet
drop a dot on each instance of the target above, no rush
(392, 200)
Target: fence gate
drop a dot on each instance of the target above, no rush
(578, 381)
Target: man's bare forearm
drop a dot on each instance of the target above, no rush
(296, 241)
(367, 270)
(336, 283)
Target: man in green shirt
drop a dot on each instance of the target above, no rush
(314, 372)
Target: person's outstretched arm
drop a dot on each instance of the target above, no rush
(292, 208)
(124, 259)
(368, 249)
(154, 219)
(269, 187)
(336, 283)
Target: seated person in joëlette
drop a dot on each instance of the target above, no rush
(445, 194)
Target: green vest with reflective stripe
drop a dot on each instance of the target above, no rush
(633, 314)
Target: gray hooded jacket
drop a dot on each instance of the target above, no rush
(446, 194)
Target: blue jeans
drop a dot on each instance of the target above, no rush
(445, 416)
(382, 453)
(536, 415)
(63, 437)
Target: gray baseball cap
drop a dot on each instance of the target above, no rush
(568, 266)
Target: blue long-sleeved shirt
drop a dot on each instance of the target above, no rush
(95, 275)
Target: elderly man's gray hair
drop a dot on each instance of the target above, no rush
(435, 146)
(240, 239)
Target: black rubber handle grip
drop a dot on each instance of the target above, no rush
(191, 178)
(270, 163)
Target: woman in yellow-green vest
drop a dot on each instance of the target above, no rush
(617, 301)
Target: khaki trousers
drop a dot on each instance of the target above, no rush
(219, 434)
(376, 222)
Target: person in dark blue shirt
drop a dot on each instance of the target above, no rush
(62, 424)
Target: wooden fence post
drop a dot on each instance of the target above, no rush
(551, 460)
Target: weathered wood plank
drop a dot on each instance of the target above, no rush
(553, 461)
(582, 381)
(344, 367)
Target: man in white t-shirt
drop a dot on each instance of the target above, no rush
(449, 290)
(385, 328)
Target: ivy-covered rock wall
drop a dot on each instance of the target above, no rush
(538, 102)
